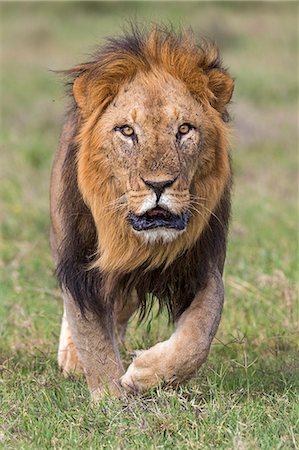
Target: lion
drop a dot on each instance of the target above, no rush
(140, 206)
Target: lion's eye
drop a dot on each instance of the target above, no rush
(184, 128)
(126, 131)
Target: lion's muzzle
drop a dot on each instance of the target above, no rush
(158, 218)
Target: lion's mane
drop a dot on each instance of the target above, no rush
(172, 274)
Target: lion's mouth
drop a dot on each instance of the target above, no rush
(158, 218)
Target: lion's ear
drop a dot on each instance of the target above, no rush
(221, 85)
(92, 90)
(81, 88)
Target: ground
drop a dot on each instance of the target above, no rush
(244, 397)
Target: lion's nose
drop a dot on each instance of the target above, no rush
(159, 186)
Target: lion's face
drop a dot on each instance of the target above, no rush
(153, 136)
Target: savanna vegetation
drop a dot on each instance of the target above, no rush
(245, 395)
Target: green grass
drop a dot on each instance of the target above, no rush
(245, 395)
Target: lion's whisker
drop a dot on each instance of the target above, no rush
(201, 215)
(208, 210)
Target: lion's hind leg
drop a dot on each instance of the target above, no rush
(124, 311)
(68, 360)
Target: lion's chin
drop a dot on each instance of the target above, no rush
(159, 235)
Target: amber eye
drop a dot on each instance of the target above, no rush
(126, 130)
(184, 128)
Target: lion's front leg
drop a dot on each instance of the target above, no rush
(95, 343)
(178, 358)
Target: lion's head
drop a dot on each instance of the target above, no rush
(153, 154)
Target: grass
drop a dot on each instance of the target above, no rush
(245, 395)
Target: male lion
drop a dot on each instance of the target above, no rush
(140, 201)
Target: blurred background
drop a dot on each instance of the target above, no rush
(259, 44)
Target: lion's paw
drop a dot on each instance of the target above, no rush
(139, 379)
(148, 369)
